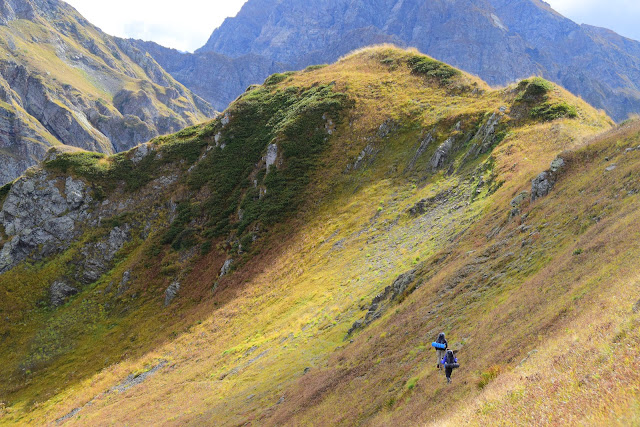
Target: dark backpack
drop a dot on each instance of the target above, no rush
(450, 358)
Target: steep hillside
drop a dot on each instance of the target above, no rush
(291, 261)
(63, 81)
(501, 41)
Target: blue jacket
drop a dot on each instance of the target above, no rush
(444, 360)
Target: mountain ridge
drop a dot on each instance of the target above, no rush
(500, 41)
(63, 81)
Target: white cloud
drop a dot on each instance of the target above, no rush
(619, 15)
(183, 24)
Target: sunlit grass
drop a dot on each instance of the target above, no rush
(274, 331)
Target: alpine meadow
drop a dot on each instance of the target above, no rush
(291, 260)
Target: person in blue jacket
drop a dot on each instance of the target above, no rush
(448, 361)
(440, 353)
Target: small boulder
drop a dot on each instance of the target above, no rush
(543, 183)
(226, 267)
(124, 283)
(519, 199)
(60, 292)
(272, 155)
(540, 186)
(557, 164)
(442, 153)
(171, 292)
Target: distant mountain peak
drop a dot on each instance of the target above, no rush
(499, 40)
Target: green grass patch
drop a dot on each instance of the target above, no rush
(4, 191)
(426, 66)
(276, 78)
(411, 384)
(294, 119)
(548, 112)
(489, 375)
(535, 88)
(315, 67)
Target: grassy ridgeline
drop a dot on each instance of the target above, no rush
(317, 237)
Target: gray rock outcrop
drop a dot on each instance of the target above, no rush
(366, 157)
(442, 154)
(97, 256)
(226, 267)
(272, 155)
(424, 145)
(485, 138)
(60, 292)
(543, 183)
(381, 302)
(171, 292)
(42, 212)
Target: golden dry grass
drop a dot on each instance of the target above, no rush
(240, 356)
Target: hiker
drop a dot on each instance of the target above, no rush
(440, 352)
(450, 362)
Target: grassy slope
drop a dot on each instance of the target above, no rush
(234, 355)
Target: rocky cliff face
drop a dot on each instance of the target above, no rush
(499, 40)
(217, 78)
(41, 211)
(63, 81)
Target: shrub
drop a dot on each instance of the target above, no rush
(177, 235)
(246, 242)
(4, 190)
(315, 67)
(295, 118)
(411, 384)
(205, 248)
(430, 67)
(549, 112)
(537, 87)
(276, 78)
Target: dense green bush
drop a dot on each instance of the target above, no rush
(4, 190)
(430, 67)
(548, 112)
(178, 235)
(291, 117)
(537, 87)
(315, 67)
(276, 78)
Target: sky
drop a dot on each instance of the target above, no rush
(181, 24)
(622, 16)
(187, 24)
